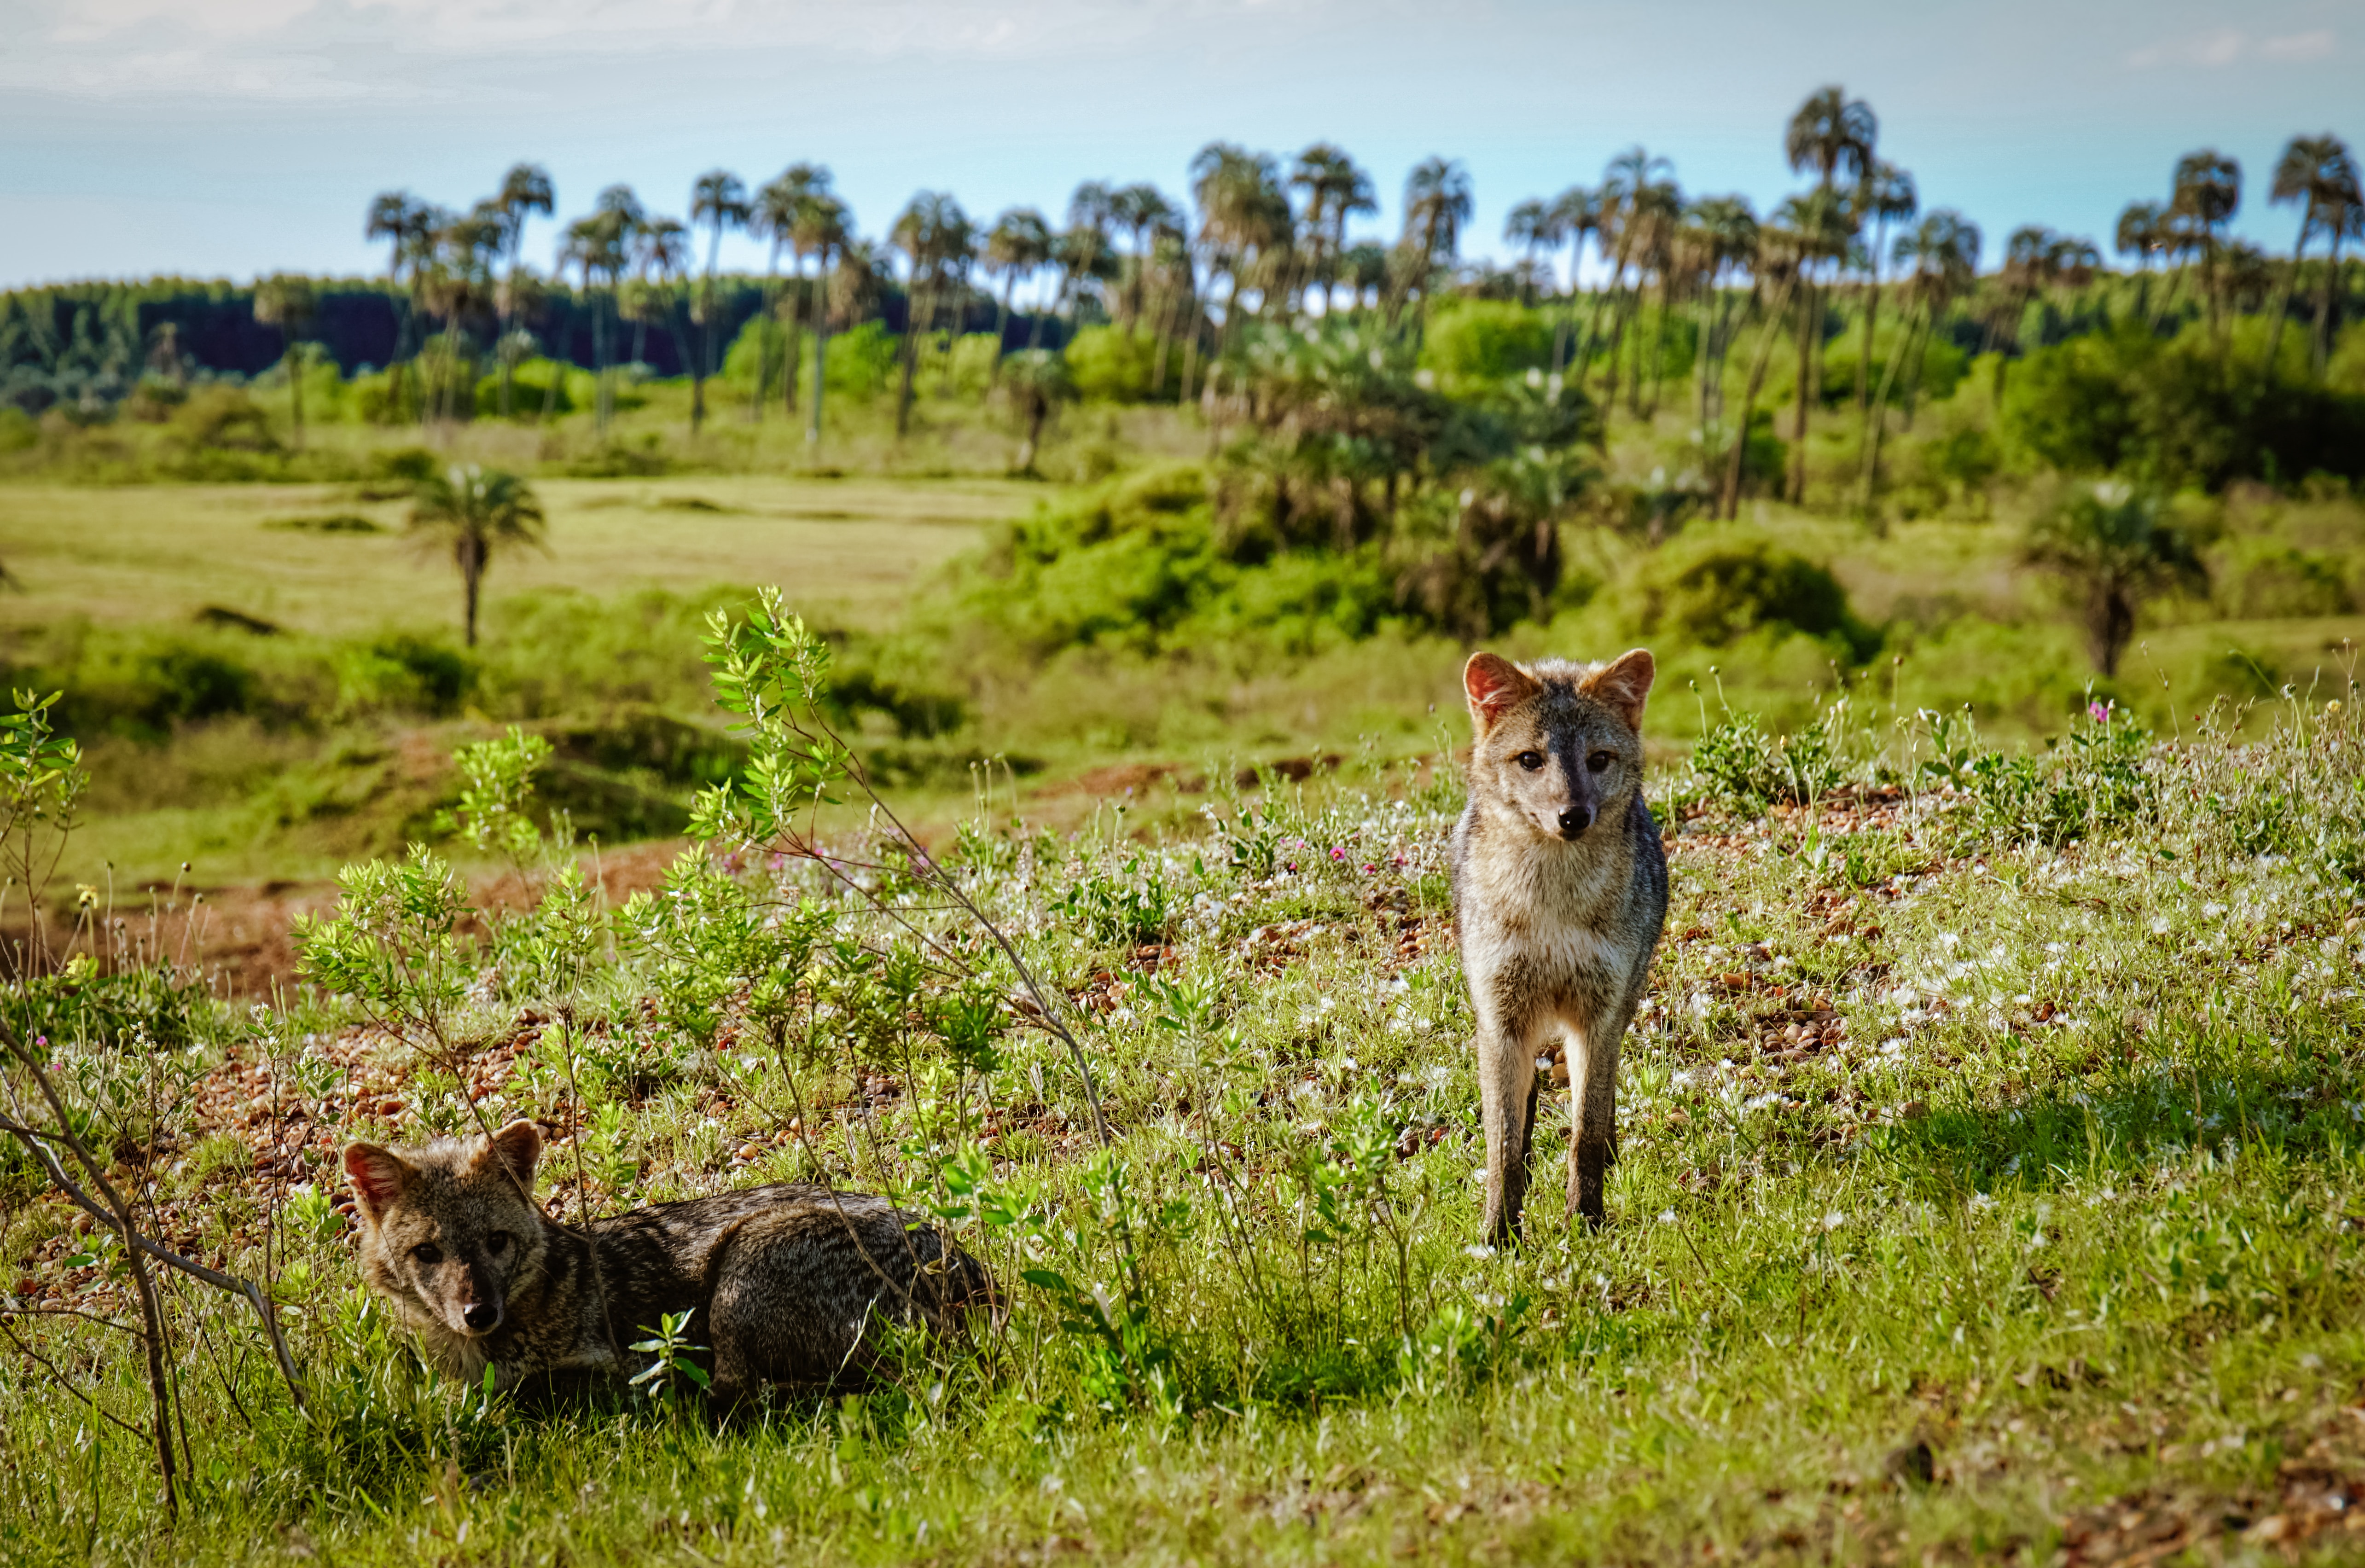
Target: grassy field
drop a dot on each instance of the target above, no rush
(146, 554)
(1990, 1148)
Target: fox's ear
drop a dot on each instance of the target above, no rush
(516, 1149)
(1495, 686)
(378, 1176)
(1625, 683)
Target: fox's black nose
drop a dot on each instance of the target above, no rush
(482, 1317)
(1575, 820)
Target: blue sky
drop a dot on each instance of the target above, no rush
(228, 138)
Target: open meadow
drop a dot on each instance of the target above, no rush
(976, 714)
(1986, 1185)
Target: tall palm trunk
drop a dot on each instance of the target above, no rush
(1730, 502)
(2325, 305)
(2282, 301)
(821, 346)
(792, 348)
(469, 550)
(911, 318)
(1876, 427)
(1002, 325)
(1810, 327)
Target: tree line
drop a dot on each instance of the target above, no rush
(1193, 282)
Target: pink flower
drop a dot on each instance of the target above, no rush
(2097, 712)
(1338, 852)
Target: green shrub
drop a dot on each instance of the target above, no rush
(860, 364)
(2261, 578)
(1486, 338)
(1721, 585)
(1110, 365)
(2179, 412)
(403, 672)
(530, 390)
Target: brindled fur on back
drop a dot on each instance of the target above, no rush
(1559, 889)
(785, 1281)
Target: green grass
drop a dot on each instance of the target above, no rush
(162, 553)
(2042, 1159)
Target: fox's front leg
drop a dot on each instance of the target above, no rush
(1507, 1108)
(1593, 1113)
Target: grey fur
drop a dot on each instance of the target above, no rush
(784, 1281)
(1560, 889)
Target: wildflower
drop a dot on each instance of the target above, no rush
(2097, 712)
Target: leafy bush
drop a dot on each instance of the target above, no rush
(1486, 340)
(2260, 578)
(1140, 564)
(1738, 763)
(403, 672)
(1720, 585)
(2171, 413)
(1111, 364)
(860, 364)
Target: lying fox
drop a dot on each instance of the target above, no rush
(784, 1280)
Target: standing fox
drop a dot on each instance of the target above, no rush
(784, 1279)
(1560, 888)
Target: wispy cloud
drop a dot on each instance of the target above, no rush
(2221, 47)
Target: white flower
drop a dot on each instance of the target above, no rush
(1834, 1220)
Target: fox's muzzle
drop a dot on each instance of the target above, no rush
(1575, 820)
(481, 1316)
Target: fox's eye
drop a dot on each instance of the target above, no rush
(428, 1253)
(1531, 760)
(1599, 761)
(496, 1243)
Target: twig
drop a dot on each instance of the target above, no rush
(42, 1361)
(215, 1277)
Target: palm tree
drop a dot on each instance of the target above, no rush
(718, 199)
(2143, 234)
(1140, 210)
(1825, 231)
(1620, 204)
(1576, 212)
(1782, 256)
(2208, 192)
(784, 211)
(1535, 227)
(661, 254)
(525, 190)
(476, 511)
(1036, 381)
(930, 228)
(604, 243)
(825, 230)
(1083, 251)
(1724, 240)
(1885, 195)
(1943, 257)
(1437, 204)
(1335, 188)
(1018, 243)
(1832, 135)
(1244, 218)
(285, 302)
(1945, 253)
(2318, 173)
(2111, 550)
(403, 221)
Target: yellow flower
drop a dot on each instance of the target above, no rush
(85, 896)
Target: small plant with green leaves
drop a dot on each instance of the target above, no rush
(496, 782)
(670, 1354)
(41, 783)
